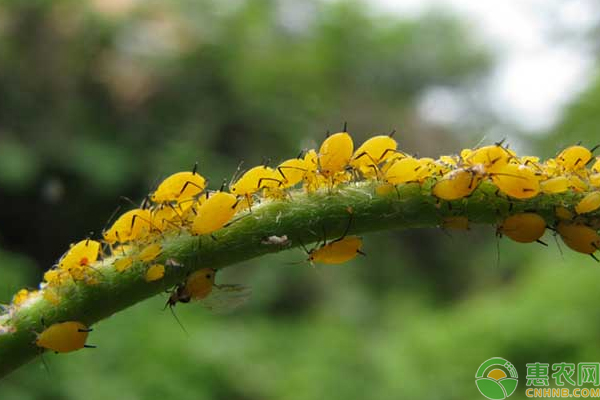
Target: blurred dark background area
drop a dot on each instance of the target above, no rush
(103, 98)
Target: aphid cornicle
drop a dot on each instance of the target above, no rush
(179, 187)
(523, 228)
(214, 213)
(64, 337)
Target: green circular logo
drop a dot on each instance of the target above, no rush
(496, 378)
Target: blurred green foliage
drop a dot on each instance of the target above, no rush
(102, 98)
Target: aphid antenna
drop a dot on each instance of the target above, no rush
(265, 161)
(238, 172)
(128, 200)
(302, 154)
(44, 362)
(112, 216)
(593, 149)
(478, 144)
(176, 318)
(303, 247)
(501, 142)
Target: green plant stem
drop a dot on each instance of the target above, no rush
(302, 219)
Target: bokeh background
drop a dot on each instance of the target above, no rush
(102, 98)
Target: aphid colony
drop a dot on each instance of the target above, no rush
(182, 203)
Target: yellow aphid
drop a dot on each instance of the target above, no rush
(292, 171)
(166, 216)
(578, 184)
(196, 287)
(404, 170)
(455, 222)
(214, 213)
(526, 160)
(557, 184)
(155, 272)
(179, 187)
(64, 337)
(255, 179)
(20, 297)
(51, 295)
(465, 153)
(449, 160)
(574, 157)
(596, 166)
(335, 154)
(563, 213)
(589, 203)
(523, 227)
(456, 184)
(579, 237)
(493, 158)
(132, 225)
(81, 254)
(56, 277)
(594, 180)
(150, 252)
(123, 263)
(373, 153)
(336, 252)
(518, 181)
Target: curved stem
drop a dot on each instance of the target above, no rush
(301, 219)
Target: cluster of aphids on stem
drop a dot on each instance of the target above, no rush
(183, 203)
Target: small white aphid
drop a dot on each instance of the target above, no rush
(276, 240)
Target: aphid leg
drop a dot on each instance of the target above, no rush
(268, 179)
(345, 231)
(185, 185)
(176, 318)
(89, 346)
(542, 242)
(362, 253)
(85, 330)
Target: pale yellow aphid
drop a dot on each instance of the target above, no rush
(123, 263)
(558, 184)
(493, 158)
(523, 228)
(596, 166)
(179, 187)
(518, 181)
(64, 337)
(336, 252)
(155, 272)
(214, 213)
(335, 154)
(590, 202)
(292, 171)
(150, 252)
(79, 257)
(196, 287)
(574, 157)
(594, 180)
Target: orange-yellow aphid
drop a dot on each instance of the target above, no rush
(196, 287)
(81, 254)
(558, 184)
(149, 252)
(132, 225)
(155, 272)
(493, 158)
(214, 213)
(579, 237)
(589, 203)
(523, 228)
(123, 263)
(20, 297)
(335, 153)
(563, 213)
(372, 153)
(336, 252)
(179, 187)
(292, 171)
(404, 170)
(64, 337)
(457, 184)
(456, 222)
(518, 181)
